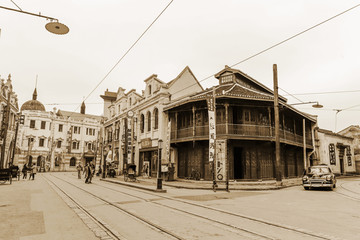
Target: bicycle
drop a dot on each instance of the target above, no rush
(194, 175)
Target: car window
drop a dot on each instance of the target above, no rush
(319, 170)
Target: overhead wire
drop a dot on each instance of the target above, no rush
(124, 55)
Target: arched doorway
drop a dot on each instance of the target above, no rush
(73, 162)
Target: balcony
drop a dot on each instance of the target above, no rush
(238, 131)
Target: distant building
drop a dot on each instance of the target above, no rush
(8, 111)
(353, 131)
(57, 141)
(335, 150)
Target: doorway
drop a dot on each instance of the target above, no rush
(238, 163)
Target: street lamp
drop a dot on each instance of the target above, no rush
(316, 105)
(54, 26)
(19, 119)
(159, 179)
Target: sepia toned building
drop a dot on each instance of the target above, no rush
(245, 131)
(335, 150)
(8, 115)
(353, 131)
(136, 123)
(57, 141)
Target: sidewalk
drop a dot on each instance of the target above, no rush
(33, 210)
(150, 184)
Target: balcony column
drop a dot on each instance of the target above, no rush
(176, 124)
(270, 128)
(304, 144)
(283, 124)
(226, 118)
(193, 116)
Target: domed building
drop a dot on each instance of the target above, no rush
(33, 105)
(57, 140)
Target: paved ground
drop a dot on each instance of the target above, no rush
(32, 210)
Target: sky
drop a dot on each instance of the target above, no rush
(320, 65)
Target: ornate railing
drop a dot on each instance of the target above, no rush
(238, 131)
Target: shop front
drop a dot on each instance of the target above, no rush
(148, 158)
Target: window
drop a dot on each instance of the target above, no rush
(75, 145)
(32, 123)
(90, 131)
(110, 136)
(41, 142)
(119, 108)
(130, 101)
(60, 127)
(148, 118)
(77, 130)
(89, 146)
(43, 124)
(58, 145)
(149, 89)
(30, 140)
(142, 123)
(72, 162)
(156, 117)
(57, 162)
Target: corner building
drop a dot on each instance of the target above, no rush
(245, 131)
(136, 122)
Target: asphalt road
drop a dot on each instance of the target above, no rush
(60, 206)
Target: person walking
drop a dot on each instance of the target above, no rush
(79, 169)
(33, 171)
(24, 171)
(88, 173)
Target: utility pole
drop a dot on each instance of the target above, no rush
(278, 173)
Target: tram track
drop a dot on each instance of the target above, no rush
(218, 211)
(355, 198)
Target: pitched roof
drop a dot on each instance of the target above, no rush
(77, 116)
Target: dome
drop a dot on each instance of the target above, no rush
(33, 104)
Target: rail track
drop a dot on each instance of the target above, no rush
(255, 228)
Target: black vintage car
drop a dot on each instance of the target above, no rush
(320, 176)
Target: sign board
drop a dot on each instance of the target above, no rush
(146, 143)
(221, 155)
(212, 127)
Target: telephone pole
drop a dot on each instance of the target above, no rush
(278, 173)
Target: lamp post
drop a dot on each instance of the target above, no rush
(159, 179)
(19, 120)
(54, 26)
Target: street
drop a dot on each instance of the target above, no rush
(60, 206)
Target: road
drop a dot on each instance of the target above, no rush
(111, 211)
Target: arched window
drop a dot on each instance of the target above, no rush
(149, 89)
(148, 118)
(38, 162)
(142, 123)
(156, 118)
(72, 162)
(57, 162)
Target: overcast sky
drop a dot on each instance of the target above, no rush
(205, 35)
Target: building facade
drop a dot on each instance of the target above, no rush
(244, 129)
(136, 124)
(353, 131)
(8, 115)
(57, 141)
(337, 151)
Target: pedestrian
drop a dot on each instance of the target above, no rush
(24, 171)
(79, 168)
(88, 173)
(33, 171)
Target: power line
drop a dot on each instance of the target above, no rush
(318, 93)
(277, 44)
(123, 56)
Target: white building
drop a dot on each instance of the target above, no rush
(57, 141)
(136, 123)
(337, 151)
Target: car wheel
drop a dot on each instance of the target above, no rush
(306, 188)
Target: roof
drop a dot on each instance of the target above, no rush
(77, 116)
(33, 105)
(187, 68)
(329, 132)
(109, 95)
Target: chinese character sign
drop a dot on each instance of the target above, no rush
(212, 128)
(129, 140)
(332, 154)
(348, 154)
(168, 134)
(220, 167)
